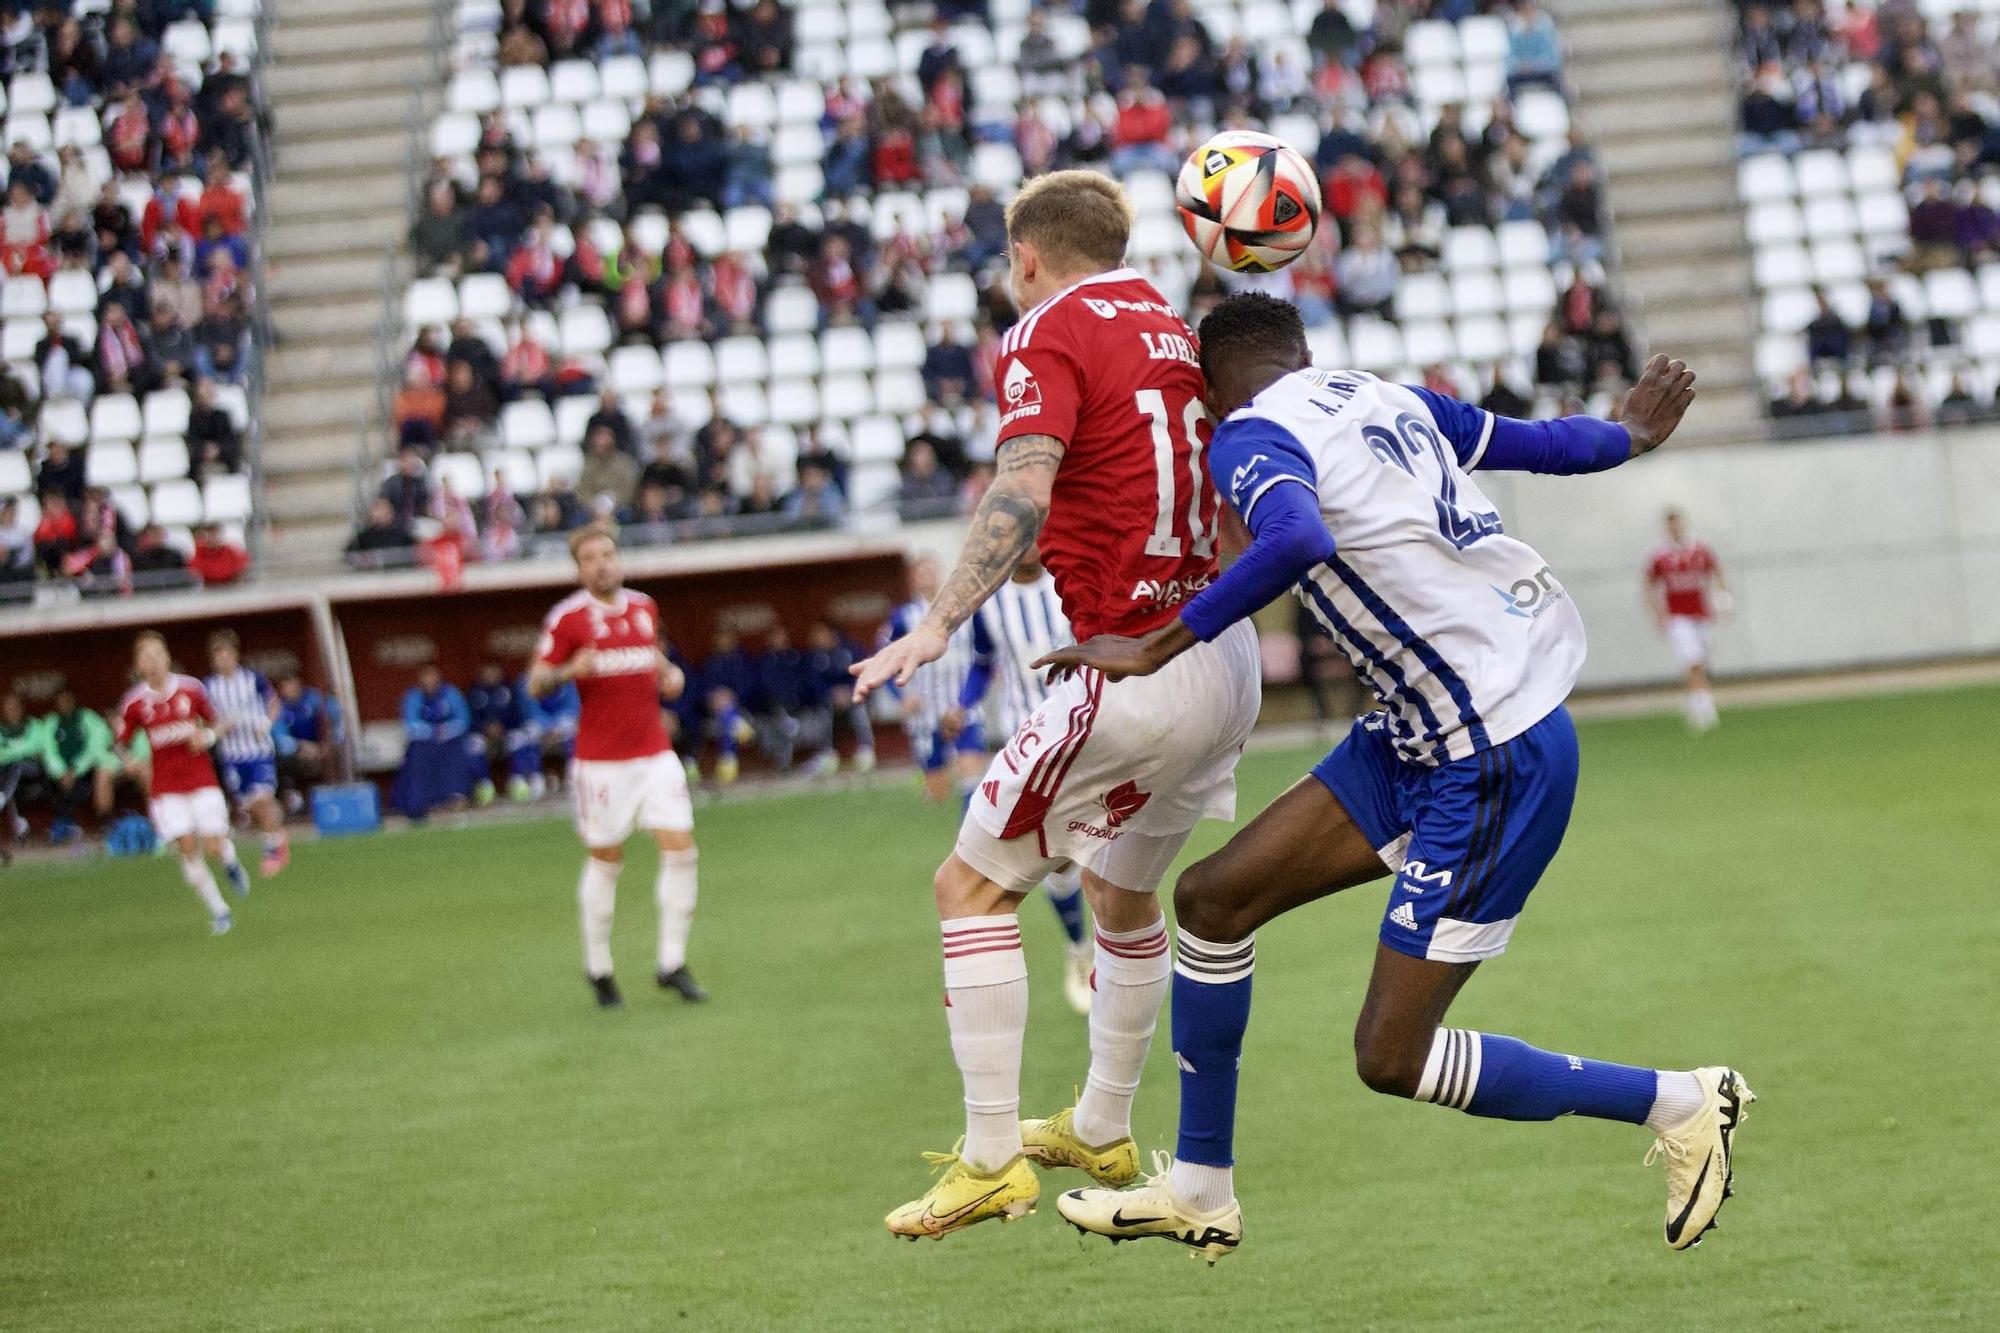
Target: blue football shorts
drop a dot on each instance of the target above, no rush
(247, 778)
(1468, 839)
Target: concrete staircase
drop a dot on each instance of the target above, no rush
(344, 81)
(1654, 93)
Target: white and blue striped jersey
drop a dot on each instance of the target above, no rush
(934, 688)
(243, 698)
(1461, 630)
(1020, 623)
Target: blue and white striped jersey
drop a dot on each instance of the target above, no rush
(933, 691)
(1020, 623)
(243, 698)
(1462, 631)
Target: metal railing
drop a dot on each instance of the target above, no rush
(263, 336)
(374, 428)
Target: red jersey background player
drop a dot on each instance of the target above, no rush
(1100, 458)
(186, 802)
(624, 773)
(1685, 590)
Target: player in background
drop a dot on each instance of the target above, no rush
(246, 705)
(1679, 577)
(605, 638)
(1099, 461)
(829, 661)
(188, 809)
(950, 754)
(1359, 494)
(309, 735)
(1020, 623)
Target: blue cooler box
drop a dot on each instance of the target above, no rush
(349, 808)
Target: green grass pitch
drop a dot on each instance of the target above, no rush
(385, 1101)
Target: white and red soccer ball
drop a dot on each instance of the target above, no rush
(1250, 202)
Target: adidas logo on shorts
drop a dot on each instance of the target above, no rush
(1404, 917)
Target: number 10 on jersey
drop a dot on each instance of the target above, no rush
(1152, 404)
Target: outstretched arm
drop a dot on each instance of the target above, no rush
(1005, 525)
(1569, 445)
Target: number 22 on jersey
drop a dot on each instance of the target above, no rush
(1167, 452)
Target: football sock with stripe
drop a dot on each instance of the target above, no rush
(1129, 985)
(986, 1008)
(674, 891)
(1066, 896)
(596, 897)
(1506, 1079)
(1211, 1012)
(195, 871)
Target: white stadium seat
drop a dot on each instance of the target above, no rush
(115, 416)
(179, 503)
(527, 423)
(227, 499)
(162, 460)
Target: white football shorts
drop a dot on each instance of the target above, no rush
(1113, 775)
(1688, 636)
(203, 813)
(615, 796)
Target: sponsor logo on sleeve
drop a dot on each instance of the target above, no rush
(1019, 394)
(1242, 476)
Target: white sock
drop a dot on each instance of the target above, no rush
(1677, 1096)
(195, 871)
(986, 1007)
(674, 890)
(228, 852)
(596, 897)
(1206, 1189)
(1133, 970)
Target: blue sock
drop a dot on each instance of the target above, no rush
(1066, 896)
(1211, 1010)
(1506, 1079)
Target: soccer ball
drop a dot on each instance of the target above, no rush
(1250, 203)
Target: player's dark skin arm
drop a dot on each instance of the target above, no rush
(1649, 414)
(1004, 529)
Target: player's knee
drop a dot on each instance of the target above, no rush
(1205, 908)
(1384, 1066)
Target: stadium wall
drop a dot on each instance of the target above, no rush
(1840, 553)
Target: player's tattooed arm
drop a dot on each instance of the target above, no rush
(1004, 527)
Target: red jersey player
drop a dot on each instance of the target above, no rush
(625, 774)
(1100, 458)
(1679, 577)
(187, 806)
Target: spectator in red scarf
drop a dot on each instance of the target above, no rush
(535, 273)
(128, 137)
(836, 282)
(24, 234)
(735, 289)
(526, 368)
(179, 129)
(683, 304)
(123, 364)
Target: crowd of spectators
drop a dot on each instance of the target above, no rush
(124, 237)
(1884, 77)
(606, 222)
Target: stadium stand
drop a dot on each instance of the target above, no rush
(1870, 139)
(133, 157)
(757, 253)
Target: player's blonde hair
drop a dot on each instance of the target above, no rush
(591, 532)
(1077, 219)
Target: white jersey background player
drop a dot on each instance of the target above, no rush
(1021, 622)
(949, 748)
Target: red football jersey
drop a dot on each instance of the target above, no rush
(170, 718)
(1110, 369)
(1684, 572)
(621, 694)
